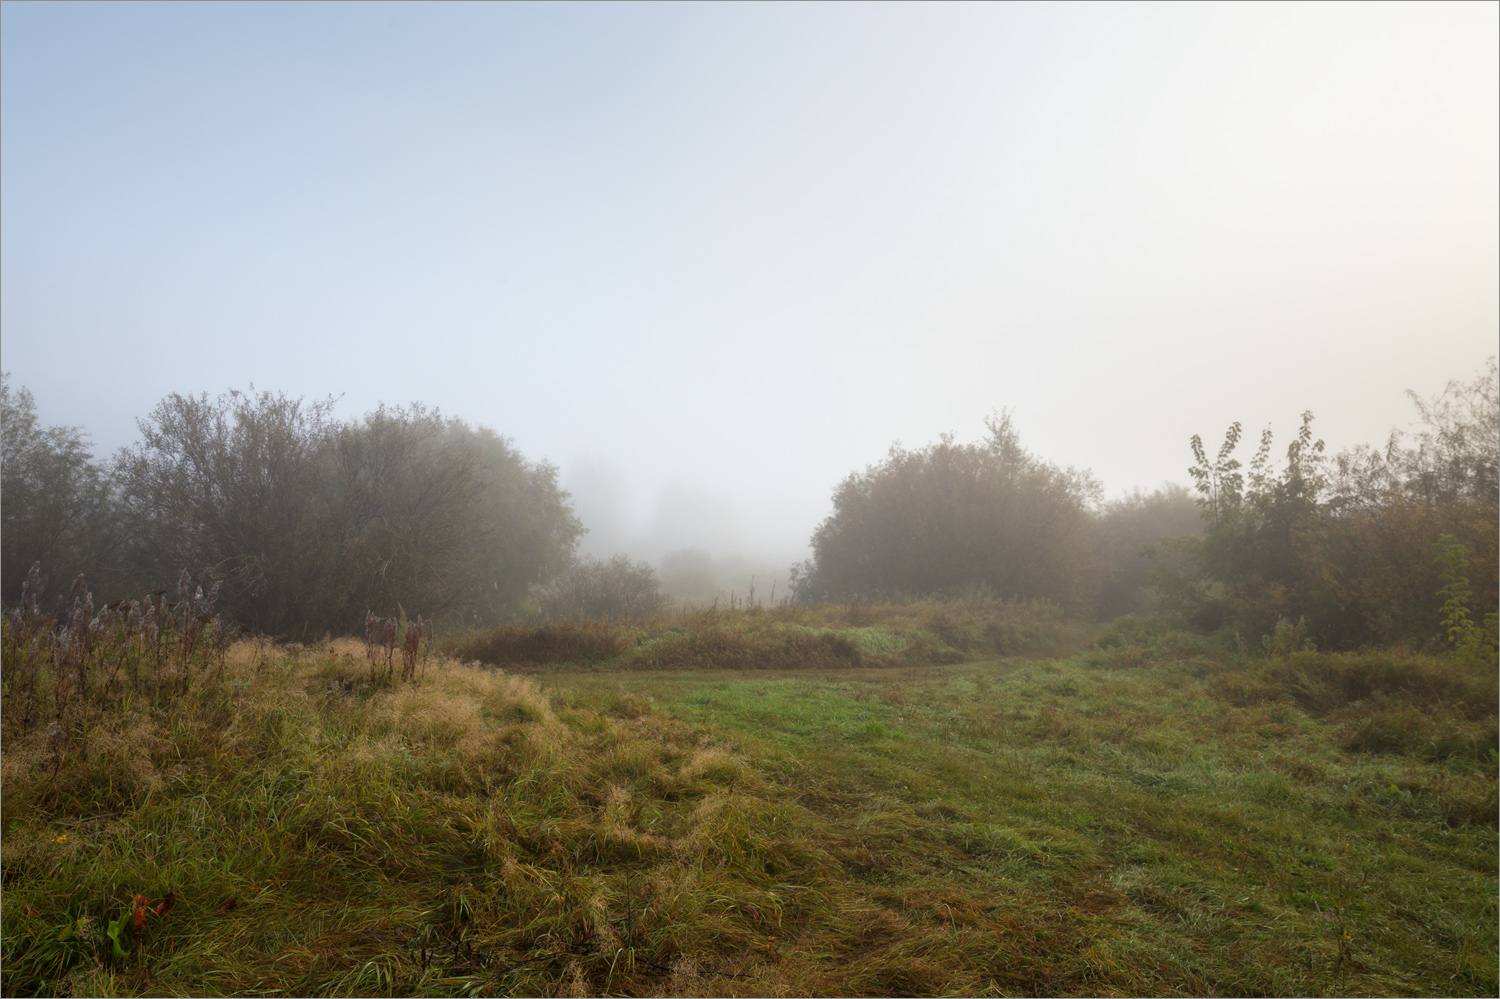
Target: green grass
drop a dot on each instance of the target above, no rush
(1139, 830)
(1149, 816)
(789, 636)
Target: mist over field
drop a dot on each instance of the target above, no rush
(720, 257)
(744, 499)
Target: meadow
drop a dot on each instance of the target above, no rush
(922, 799)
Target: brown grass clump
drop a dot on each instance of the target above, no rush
(539, 645)
(326, 835)
(1322, 683)
(825, 636)
(716, 646)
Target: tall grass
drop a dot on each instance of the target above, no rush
(821, 636)
(1153, 815)
(451, 836)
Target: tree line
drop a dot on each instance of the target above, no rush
(307, 521)
(1371, 546)
(951, 517)
(1375, 545)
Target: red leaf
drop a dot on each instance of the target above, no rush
(141, 901)
(166, 904)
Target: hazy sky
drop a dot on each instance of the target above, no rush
(710, 259)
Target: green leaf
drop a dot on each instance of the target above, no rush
(117, 929)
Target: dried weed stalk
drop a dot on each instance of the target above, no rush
(81, 660)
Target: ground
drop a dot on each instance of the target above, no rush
(1150, 815)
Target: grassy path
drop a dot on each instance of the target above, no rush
(1111, 825)
(1143, 818)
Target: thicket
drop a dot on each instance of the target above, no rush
(615, 589)
(307, 521)
(1386, 546)
(1123, 531)
(949, 516)
(1396, 545)
(57, 505)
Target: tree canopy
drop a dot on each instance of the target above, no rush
(950, 516)
(308, 521)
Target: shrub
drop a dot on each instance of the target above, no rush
(537, 645)
(1128, 535)
(309, 521)
(1321, 683)
(725, 646)
(793, 636)
(1346, 543)
(1415, 733)
(951, 516)
(613, 590)
(59, 510)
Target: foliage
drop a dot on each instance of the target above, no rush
(230, 487)
(1127, 533)
(1344, 544)
(311, 522)
(70, 669)
(58, 508)
(1466, 637)
(550, 642)
(950, 515)
(306, 521)
(617, 589)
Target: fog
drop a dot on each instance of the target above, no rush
(707, 546)
(709, 260)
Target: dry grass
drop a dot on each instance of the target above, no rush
(1149, 817)
(327, 836)
(536, 645)
(823, 636)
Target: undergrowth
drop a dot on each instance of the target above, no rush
(459, 835)
(860, 815)
(821, 636)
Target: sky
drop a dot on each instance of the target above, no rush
(711, 259)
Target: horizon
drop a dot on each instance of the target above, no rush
(718, 258)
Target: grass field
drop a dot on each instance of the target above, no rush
(1149, 815)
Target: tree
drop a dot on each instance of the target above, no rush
(231, 489)
(1128, 534)
(616, 589)
(1345, 544)
(438, 514)
(950, 516)
(57, 506)
(310, 522)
